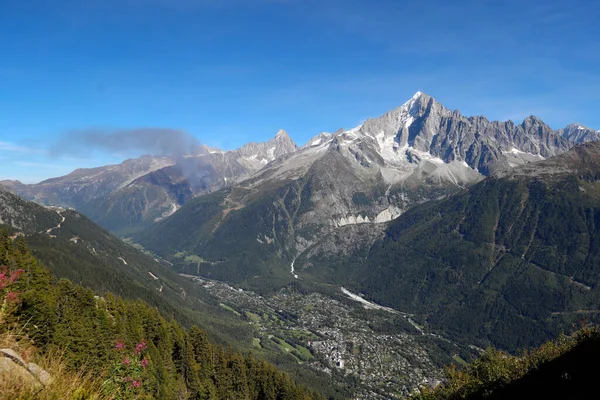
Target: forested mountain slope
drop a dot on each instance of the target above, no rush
(560, 369)
(133, 351)
(75, 248)
(513, 261)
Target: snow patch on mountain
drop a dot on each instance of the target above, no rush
(388, 214)
(384, 216)
(352, 220)
(354, 130)
(516, 157)
(423, 155)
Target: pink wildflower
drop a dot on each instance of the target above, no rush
(12, 297)
(120, 345)
(15, 275)
(136, 383)
(7, 278)
(145, 362)
(126, 361)
(140, 347)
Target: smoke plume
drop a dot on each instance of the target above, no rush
(155, 141)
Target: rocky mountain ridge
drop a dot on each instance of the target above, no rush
(576, 133)
(414, 153)
(138, 192)
(417, 152)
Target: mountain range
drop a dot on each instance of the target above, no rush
(138, 192)
(416, 152)
(367, 175)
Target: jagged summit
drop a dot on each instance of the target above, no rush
(577, 133)
(281, 133)
(576, 125)
(532, 120)
(321, 138)
(420, 96)
(580, 127)
(266, 152)
(285, 143)
(422, 136)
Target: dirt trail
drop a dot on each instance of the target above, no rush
(48, 231)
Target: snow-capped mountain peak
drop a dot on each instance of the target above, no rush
(281, 133)
(321, 138)
(423, 132)
(419, 142)
(577, 133)
(255, 155)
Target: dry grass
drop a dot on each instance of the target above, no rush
(65, 385)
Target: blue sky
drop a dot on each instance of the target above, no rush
(233, 71)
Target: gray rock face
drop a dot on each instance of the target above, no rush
(422, 125)
(40, 374)
(84, 185)
(257, 155)
(12, 366)
(13, 355)
(216, 169)
(10, 370)
(414, 153)
(578, 134)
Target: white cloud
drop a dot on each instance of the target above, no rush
(15, 148)
(38, 164)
